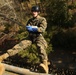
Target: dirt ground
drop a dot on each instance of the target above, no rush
(63, 58)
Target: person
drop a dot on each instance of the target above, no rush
(36, 26)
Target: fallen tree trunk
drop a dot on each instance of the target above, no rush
(21, 70)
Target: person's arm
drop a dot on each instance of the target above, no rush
(31, 28)
(43, 25)
(28, 23)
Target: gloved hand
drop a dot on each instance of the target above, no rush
(32, 28)
(29, 28)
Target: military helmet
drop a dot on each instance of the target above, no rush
(35, 8)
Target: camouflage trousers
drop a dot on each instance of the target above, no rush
(40, 43)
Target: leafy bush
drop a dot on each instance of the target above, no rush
(65, 40)
(30, 54)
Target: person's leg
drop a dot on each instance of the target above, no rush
(17, 48)
(41, 46)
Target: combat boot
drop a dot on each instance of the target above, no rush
(2, 68)
(4, 56)
(44, 66)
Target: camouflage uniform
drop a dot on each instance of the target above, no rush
(37, 38)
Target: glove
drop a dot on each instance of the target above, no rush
(32, 28)
(29, 28)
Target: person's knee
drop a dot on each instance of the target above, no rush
(25, 43)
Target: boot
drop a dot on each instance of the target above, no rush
(4, 56)
(44, 66)
(2, 69)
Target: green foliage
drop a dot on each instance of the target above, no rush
(65, 40)
(58, 13)
(21, 36)
(49, 49)
(47, 37)
(30, 54)
(57, 9)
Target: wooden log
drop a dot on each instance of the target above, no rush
(2, 68)
(9, 73)
(22, 70)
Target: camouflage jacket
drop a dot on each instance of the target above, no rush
(40, 22)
